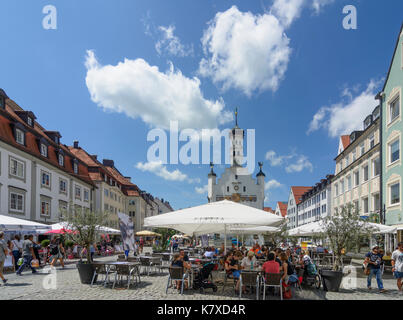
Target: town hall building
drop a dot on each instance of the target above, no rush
(236, 183)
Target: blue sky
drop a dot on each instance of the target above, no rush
(321, 69)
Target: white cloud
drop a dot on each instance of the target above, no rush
(287, 10)
(137, 89)
(202, 190)
(272, 184)
(245, 51)
(157, 168)
(251, 52)
(276, 160)
(301, 163)
(171, 43)
(317, 5)
(346, 116)
(293, 162)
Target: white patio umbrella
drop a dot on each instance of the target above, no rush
(317, 228)
(214, 217)
(14, 224)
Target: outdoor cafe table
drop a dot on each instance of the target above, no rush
(110, 264)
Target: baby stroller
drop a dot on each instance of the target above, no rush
(201, 280)
(311, 276)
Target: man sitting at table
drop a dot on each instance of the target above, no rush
(209, 254)
(178, 262)
(271, 266)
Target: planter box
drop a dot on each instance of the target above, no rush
(331, 280)
(86, 272)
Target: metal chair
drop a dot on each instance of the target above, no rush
(101, 269)
(272, 280)
(121, 257)
(249, 279)
(136, 268)
(123, 270)
(176, 274)
(230, 277)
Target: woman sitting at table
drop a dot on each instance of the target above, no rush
(249, 262)
(178, 262)
(232, 268)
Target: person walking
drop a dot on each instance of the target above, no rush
(397, 264)
(17, 249)
(27, 254)
(373, 260)
(3, 255)
(57, 252)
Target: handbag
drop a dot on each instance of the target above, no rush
(35, 263)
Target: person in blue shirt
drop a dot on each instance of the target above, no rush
(373, 260)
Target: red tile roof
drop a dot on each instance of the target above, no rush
(9, 117)
(283, 208)
(97, 169)
(345, 140)
(298, 192)
(269, 209)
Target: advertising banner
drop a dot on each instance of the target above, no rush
(127, 229)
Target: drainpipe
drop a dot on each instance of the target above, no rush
(382, 208)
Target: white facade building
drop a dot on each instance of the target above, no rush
(315, 204)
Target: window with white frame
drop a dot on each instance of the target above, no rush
(17, 202)
(355, 205)
(342, 186)
(20, 136)
(63, 186)
(365, 205)
(75, 167)
(45, 179)
(336, 189)
(44, 150)
(394, 190)
(17, 168)
(394, 109)
(371, 141)
(45, 207)
(365, 173)
(77, 192)
(376, 200)
(394, 151)
(349, 183)
(362, 148)
(61, 160)
(86, 195)
(354, 155)
(356, 178)
(376, 165)
(29, 121)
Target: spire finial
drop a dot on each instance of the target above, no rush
(236, 116)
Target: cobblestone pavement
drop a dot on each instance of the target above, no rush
(30, 287)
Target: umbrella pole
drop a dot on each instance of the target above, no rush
(237, 240)
(225, 239)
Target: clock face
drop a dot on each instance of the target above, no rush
(236, 188)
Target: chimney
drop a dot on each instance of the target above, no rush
(128, 178)
(76, 144)
(95, 156)
(108, 163)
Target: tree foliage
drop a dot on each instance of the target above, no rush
(276, 238)
(343, 230)
(85, 224)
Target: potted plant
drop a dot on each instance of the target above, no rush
(45, 243)
(84, 225)
(343, 230)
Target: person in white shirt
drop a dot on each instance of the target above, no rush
(209, 253)
(249, 262)
(397, 264)
(17, 249)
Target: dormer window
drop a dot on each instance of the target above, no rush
(75, 166)
(61, 159)
(20, 136)
(44, 150)
(29, 121)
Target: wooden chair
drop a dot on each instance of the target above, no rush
(249, 279)
(272, 280)
(176, 274)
